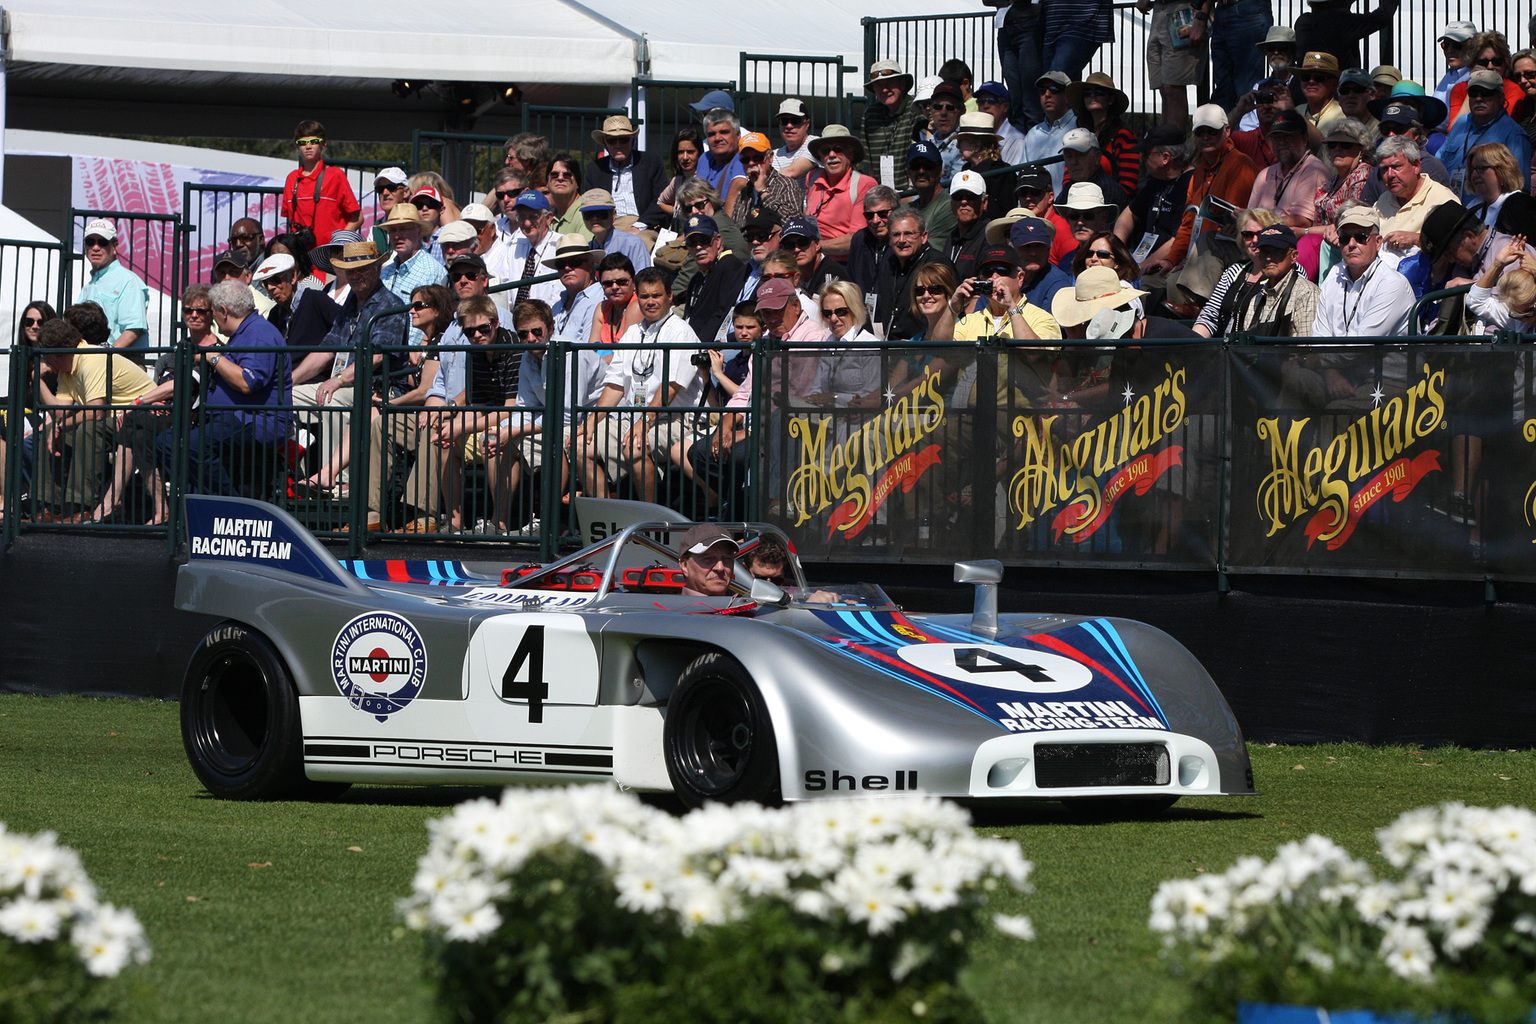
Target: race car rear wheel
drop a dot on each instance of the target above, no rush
(240, 720)
(718, 737)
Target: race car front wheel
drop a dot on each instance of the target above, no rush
(240, 720)
(718, 738)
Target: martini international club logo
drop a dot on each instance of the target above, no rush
(379, 663)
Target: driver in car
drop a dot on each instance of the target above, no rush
(708, 561)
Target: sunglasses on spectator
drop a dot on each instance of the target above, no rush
(756, 237)
(1358, 237)
(698, 204)
(460, 275)
(988, 100)
(507, 193)
(878, 214)
(998, 270)
(1205, 133)
(309, 142)
(1313, 77)
(1103, 254)
(1394, 129)
(615, 282)
(1053, 88)
(1031, 196)
(793, 121)
(1249, 236)
(1342, 145)
(1526, 76)
(781, 276)
(839, 312)
(1488, 62)
(1482, 94)
(189, 311)
(1354, 90)
(474, 332)
(942, 106)
(426, 204)
(798, 242)
(921, 290)
(96, 242)
(418, 305)
(562, 174)
(597, 213)
(534, 333)
(1093, 90)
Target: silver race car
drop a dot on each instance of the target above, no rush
(596, 666)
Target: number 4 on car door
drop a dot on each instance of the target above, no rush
(545, 660)
(533, 687)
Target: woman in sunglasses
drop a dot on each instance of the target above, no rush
(1525, 76)
(846, 377)
(1105, 249)
(1490, 51)
(933, 285)
(1216, 316)
(32, 319)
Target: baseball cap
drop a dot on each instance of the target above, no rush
(428, 193)
(477, 212)
(470, 260)
(458, 231)
(998, 254)
(1162, 135)
(596, 199)
(1356, 76)
(1055, 78)
(1276, 236)
(792, 107)
(699, 224)
(1360, 215)
(1398, 113)
(946, 91)
(394, 175)
(968, 181)
(1458, 31)
(762, 217)
(701, 538)
(924, 151)
(1485, 78)
(277, 263)
(101, 227)
(1210, 115)
(755, 141)
(997, 89)
(805, 227)
(1080, 139)
(1037, 178)
(234, 257)
(1032, 230)
(533, 199)
(774, 293)
(1288, 122)
(925, 89)
(1386, 74)
(715, 99)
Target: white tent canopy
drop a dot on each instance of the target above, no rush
(594, 43)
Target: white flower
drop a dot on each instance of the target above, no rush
(755, 876)
(832, 963)
(1408, 952)
(108, 940)
(1014, 926)
(702, 904)
(1375, 902)
(640, 891)
(26, 919)
(473, 923)
(935, 888)
(812, 903)
(908, 958)
(1410, 831)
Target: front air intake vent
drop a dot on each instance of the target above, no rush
(1071, 765)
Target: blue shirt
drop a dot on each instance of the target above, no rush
(722, 176)
(573, 320)
(1465, 137)
(630, 245)
(1052, 281)
(123, 297)
(268, 373)
(421, 269)
(346, 333)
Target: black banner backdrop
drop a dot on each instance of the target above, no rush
(1102, 456)
(1387, 459)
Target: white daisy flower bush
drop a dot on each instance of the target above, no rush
(583, 903)
(56, 938)
(1451, 926)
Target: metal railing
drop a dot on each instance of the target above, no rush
(662, 107)
(767, 79)
(148, 244)
(468, 163)
(568, 129)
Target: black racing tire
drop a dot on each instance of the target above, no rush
(718, 738)
(1119, 808)
(240, 720)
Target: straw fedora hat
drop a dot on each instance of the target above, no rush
(616, 126)
(403, 213)
(320, 255)
(1097, 288)
(1119, 102)
(837, 133)
(356, 255)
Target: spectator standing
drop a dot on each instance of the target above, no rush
(1487, 122)
(1176, 51)
(1453, 43)
(598, 212)
(410, 266)
(1290, 186)
(1043, 141)
(924, 167)
(889, 123)
(992, 99)
(120, 293)
(793, 159)
(316, 196)
(1099, 107)
(1332, 28)
(632, 178)
(834, 194)
(1074, 31)
(1020, 28)
(1237, 58)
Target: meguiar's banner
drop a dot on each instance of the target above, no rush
(1043, 456)
(1407, 459)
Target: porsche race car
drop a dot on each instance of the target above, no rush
(322, 673)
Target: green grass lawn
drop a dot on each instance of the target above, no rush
(285, 912)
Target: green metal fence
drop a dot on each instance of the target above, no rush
(468, 163)
(767, 79)
(568, 129)
(665, 106)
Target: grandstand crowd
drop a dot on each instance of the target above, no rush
(1311, 198)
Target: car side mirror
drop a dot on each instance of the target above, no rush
(985, 573)
(769, 593)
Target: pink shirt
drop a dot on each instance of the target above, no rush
(835, 210)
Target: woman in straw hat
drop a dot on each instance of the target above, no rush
(1100, 107)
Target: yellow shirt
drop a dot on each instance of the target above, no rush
(984, 324)
(86, 379)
